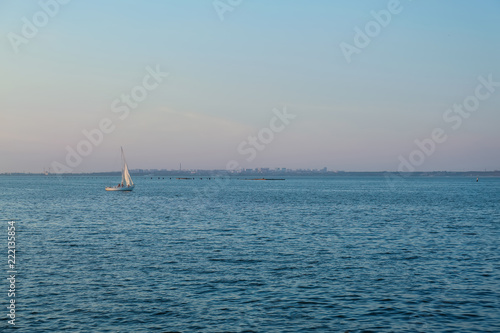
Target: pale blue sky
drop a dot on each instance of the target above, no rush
(226, 77)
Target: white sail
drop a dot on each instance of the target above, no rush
(125, 173)
(126, 184)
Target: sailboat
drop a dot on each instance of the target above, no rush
(127, 184)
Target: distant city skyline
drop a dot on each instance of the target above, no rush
(354, 86)
(265, 171)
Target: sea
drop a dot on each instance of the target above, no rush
(305, 254)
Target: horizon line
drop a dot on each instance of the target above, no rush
(145, 171)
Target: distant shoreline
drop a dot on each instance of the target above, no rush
(272, 174)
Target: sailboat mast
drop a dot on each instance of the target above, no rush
(125, 172)
(123, 166)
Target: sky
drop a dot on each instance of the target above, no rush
(347, 85)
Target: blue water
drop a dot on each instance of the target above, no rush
(340, 254)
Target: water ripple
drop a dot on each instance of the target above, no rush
(319, 255)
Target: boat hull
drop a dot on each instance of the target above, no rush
(124, 188)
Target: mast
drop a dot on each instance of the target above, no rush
(125, 173)
(123, 166)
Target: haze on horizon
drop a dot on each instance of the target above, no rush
(359, 101)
